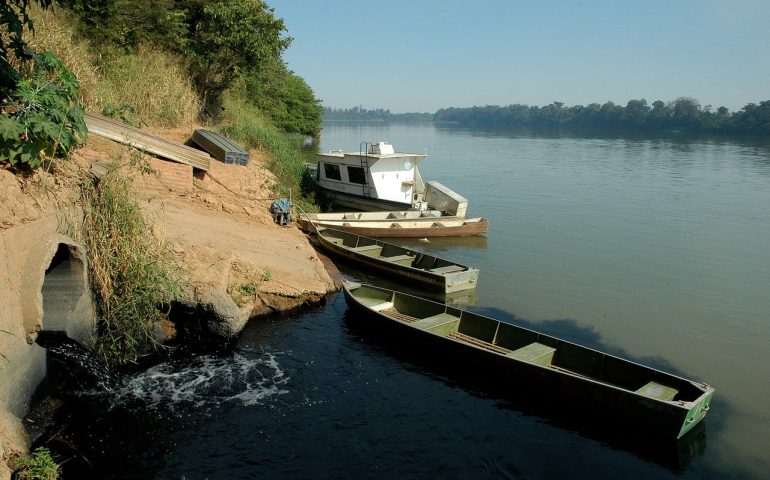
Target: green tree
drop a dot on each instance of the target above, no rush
(126, 24)
(227, 39)
(14, 19)
(286, 98)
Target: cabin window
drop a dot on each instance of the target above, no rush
(332, 171)
(356, 175)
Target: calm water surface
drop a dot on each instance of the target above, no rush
(656, 250)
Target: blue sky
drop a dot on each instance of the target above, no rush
(422, 55)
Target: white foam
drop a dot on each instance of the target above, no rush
(251, 378)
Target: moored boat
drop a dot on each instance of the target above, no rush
(576, 377)
(414, 227)
(379, 178)
(419, 268)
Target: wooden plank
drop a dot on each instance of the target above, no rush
(148, 142)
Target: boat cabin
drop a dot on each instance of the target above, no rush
(374, 178)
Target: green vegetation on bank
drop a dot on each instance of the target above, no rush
(39, 110)
(683, 115)
(40, 466)
(220, 43)
(132, 272)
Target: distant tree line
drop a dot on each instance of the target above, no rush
(681, 115)
(361, 114)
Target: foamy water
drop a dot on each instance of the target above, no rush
(248, 378)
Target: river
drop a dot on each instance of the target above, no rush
(656, 250)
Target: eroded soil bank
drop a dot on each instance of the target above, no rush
(235, 263)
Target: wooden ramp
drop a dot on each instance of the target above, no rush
(148, 142)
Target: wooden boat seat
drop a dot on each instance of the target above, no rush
(479, 343)
(657, 390)
(366, 248)
(335, 240)
(447, 269)
(401, 259)
(376, 304)
(536, 353)
(435, 321)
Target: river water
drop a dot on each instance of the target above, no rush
(654, 250)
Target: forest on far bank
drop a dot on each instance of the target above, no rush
(683, 115)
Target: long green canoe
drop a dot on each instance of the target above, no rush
(639, 396)
(420, 268)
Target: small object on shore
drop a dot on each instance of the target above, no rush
(281, 211)
(526, 362)
(411, 266)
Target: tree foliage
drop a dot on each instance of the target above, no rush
(14, 20)
(684, 114)
(227, 39)
(221, 42)
(126, 24)
(285, 98)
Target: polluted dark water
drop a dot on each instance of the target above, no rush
(314, 396)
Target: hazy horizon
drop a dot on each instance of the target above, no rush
(427, 55)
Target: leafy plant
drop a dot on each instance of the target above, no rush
(248, 289)
(41, 466)
(43, 116)
(267, 275)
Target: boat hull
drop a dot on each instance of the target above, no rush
(360, 202)
(572, 393)
(412, 228)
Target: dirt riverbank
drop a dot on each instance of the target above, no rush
(236, 264)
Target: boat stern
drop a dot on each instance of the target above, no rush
(697, 411)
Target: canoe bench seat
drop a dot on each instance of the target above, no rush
(447, 269)
(657, 390)
(435, 321)
(376, 304)
(335, 240)
(401, 259)
(368, 249)
(536, 353)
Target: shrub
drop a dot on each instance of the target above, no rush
(43, 116)
(40, 466)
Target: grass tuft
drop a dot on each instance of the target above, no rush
(132, 272)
